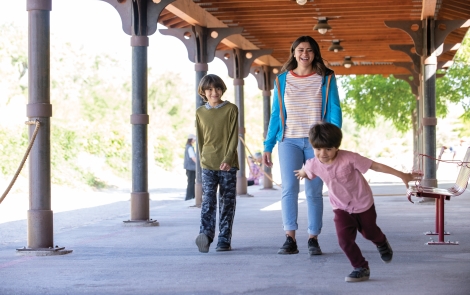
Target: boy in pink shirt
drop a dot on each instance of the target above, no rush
(350, 195)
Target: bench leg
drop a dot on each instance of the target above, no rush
(440, 224)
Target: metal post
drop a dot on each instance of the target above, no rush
(201, 44)
(242, 185)
(140, 197)
(429, 104)
(40, 216)
(267, 182)
(201, 71)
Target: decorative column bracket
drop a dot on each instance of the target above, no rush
(265, 76)
(201, 42)
(238, 61)
(414, 29)
(411, 82)
(409, 67)
(133, 21)
(406, 48)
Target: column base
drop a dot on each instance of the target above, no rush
(150, 222)
(242, 186)
(43, 251)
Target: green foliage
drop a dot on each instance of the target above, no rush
(12, 150)
(369, 97)
(91, 98)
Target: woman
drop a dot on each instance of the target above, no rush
(305, 94)
(190, 166)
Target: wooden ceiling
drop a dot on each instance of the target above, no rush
(357, 24)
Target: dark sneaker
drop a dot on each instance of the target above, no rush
(223, 246)
(386, 252)
(289, 247)
(313, 247)
(358, 275)
(203, 242)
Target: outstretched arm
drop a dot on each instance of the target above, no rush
(301, 174)
(405, 177)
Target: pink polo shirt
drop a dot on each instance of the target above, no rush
(347, 188)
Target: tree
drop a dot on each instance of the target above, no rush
(369, 97)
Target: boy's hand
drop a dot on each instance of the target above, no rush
(225, 167)
(408, 177)
(300, 174)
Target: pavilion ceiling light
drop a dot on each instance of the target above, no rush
(322, 27)
(335, 46)
(301, 2)
(347, 63)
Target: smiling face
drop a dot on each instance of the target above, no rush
(304, 54)
(213, 95)
(326, 155)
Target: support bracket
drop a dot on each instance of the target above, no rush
(201, 42)
(238, 61)
(265, 76)
(134, 20)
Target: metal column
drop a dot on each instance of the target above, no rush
(265, 75)
(40, 216)
(238, 62)
(201, 44)
(139, 20)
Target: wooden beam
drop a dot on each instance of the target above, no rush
(195, 15)
(429, 9)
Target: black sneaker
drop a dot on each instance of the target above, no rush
(386, 252)
(359, 274)
(289, 247)
(203, 242)
(223, 246)
(313, 247)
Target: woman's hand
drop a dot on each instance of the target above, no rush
(267, 159)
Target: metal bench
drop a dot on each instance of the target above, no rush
(443, 194)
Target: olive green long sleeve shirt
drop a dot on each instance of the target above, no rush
(217, 135)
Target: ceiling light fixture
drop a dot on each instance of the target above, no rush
(347, 63)
(335, 46)
(301, 2)
(322, 27)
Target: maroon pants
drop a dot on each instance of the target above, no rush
(347, 226)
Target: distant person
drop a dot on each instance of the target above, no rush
(190, 166)
(217, 135)
(350, 195)
(256, 174)
(305, 93)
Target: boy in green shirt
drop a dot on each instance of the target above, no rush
(217, 139)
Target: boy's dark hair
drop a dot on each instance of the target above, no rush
(325, 135)
(209, 81)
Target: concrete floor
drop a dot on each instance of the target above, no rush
(110, 258)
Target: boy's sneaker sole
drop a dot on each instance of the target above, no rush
(386, 252)
(286, 252)
(358, 275)
(203, 243)
(220, 249)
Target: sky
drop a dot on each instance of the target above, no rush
(97, 25)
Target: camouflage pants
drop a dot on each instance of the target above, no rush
(227, 183)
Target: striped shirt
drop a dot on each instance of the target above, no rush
(303, 102)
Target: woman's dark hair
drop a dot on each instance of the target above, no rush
(209, 81)
(189, 142)
(325, 135)
(317, 64)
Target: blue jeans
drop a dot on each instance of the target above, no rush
(293, 153)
